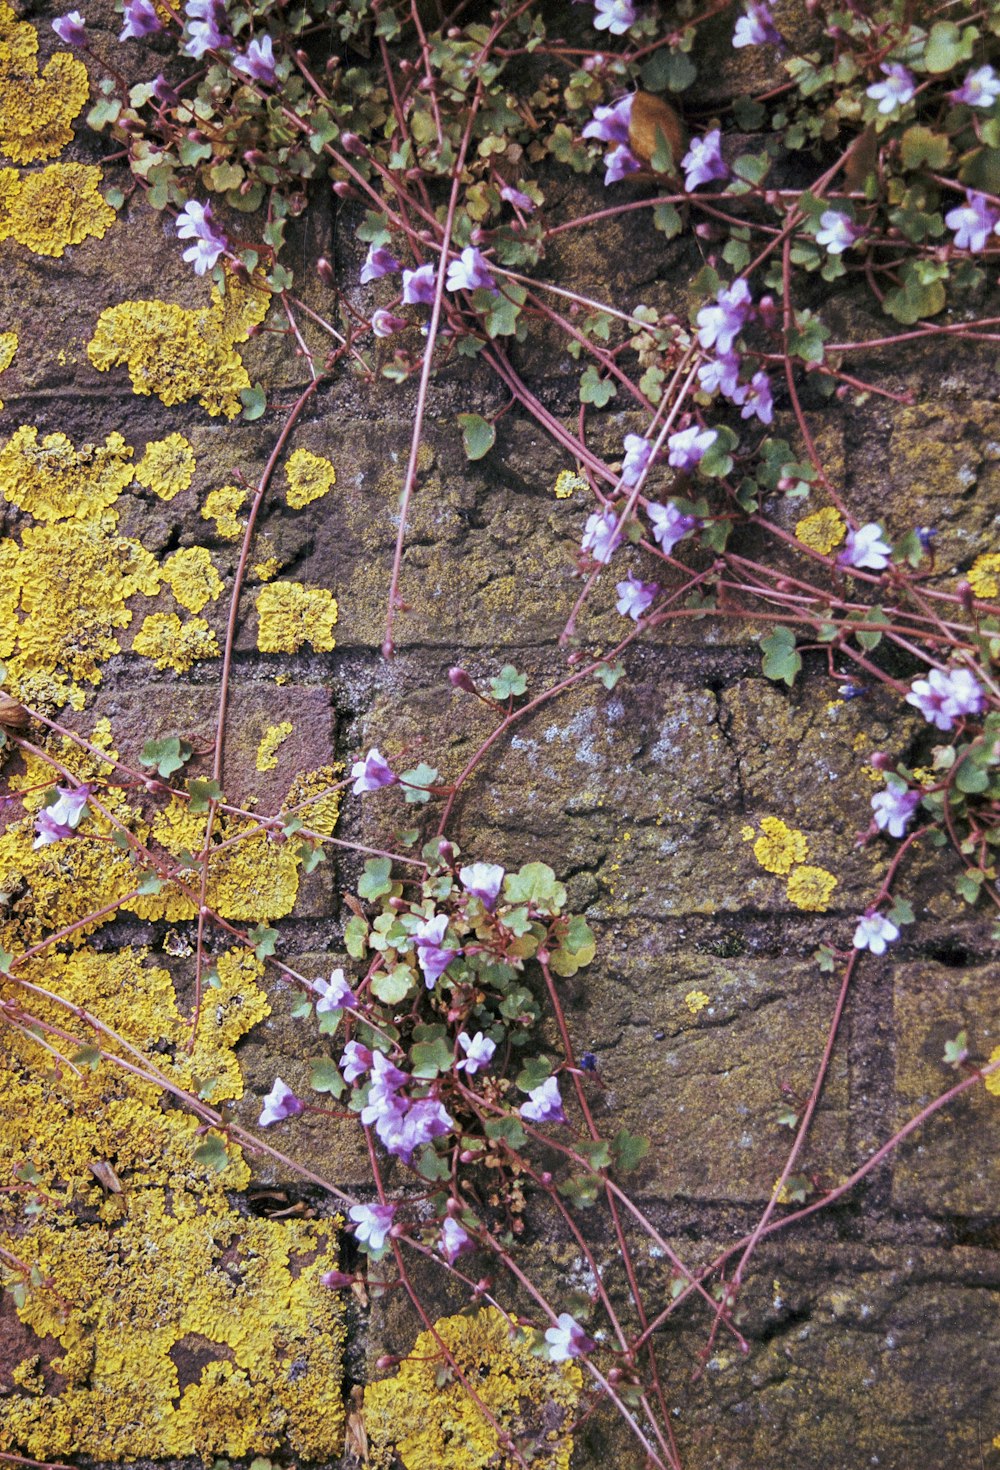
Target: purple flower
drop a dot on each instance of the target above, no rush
(483, 881)
(71, 29)
(897, 89)
(703, 161)
(720, 375)
(635, 597)
(470, 273)
(981, 88)
(49, 830)
(279, 1103)
(686, 448)
(837, 232)
(378, 262)
(755, 397)
(372, 1224)
(614, 16)
(355, 1061)
(258, 62)
(419, 286)
(371, 773)
(478, 1051)
(600, 536)
(619, 163)
(866, 549)
(382, 1099)
(637, 452)
(433, 958)
(756, 27)
(425, 1120)
(946, 695)
(973, 222)
(195, 223)
(610, 124)
(141, 20)
(567, 1339)
(384, 323)
(60, 818)
(669, 524)
(334, 993)
(454, 1240)
(204, 32)
(721, 324)
(518, 198)
(165, 94)
(894, 806)
(874, 932)
(544, 1104)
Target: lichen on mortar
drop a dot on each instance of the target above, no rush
(426, 1417)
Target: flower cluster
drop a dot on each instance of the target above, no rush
(195, 222)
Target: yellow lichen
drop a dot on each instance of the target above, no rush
(984, 575)
(167, 467)
(173, 644)
(993, 1080)
(566, 482)
(426, 1417)
(273, 737)
(8, 346)
(221, 506)
(54, 207)
(267, 569)
(157, 1276)
(821, 531)
(70, 583)
(52, 481)
(323, 802)
(780, 847)
(811, 889)
(178, 353)
(696, 1000)
(191, 576)
(291, 615)
(308, 476)
(36, 111)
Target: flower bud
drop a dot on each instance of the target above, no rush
(324, 270)
(351, 143)
(385, 1361)
(966, 594)
(342, 189)
(336, 1279)
(880, 760)
(461, 680)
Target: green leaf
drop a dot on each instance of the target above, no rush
(667, 219)
(901, 912)
(415, 783)
(609, 674)
(356, 937)
(508, 1130)
(971, 778)
(376, 879)
(254, 402)
(508, 683)
(534, 1072)
(501, 314)
(166, 755)
(263, 940)
(581, 1190)
(826, 959)
(202, 793)
(478, 435)
(535, 883)
(920, 145)
(324, 1077)
(431, 1057)
(948, 47)
(781, 662)
(595, 389)
(955, 1052)
(968, 885)
(717, 460)
(394, 986)
(114, 197)
(150, 883)
(212, 1153)
(87, 1056)
(6, 960)
(628, 1150)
